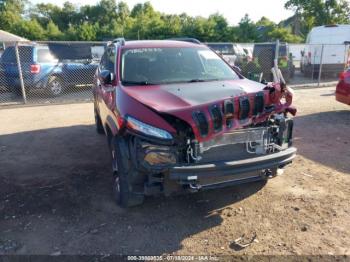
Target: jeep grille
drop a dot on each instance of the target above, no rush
(216, 115)
(259, 103)
(244, 107)
(201, 122)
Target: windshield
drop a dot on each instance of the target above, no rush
(173, 65)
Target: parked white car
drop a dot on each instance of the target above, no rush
(326, 45)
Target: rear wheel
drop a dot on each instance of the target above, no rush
(127, 187)
(55, 86)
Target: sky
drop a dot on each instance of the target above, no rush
(232, 10)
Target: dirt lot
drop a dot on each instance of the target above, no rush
(55, 193)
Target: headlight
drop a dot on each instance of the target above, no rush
(147, 129)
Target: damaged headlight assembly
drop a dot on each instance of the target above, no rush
(146, 129)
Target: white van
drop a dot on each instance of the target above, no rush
(335, 40)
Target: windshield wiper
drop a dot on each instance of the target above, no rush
(138, 83)
(202, 80)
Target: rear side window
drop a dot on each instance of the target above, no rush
(25, 54)
(45, 56)
(9, 55)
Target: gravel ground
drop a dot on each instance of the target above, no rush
(55, 193)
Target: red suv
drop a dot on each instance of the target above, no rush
(178, 118)
(342, 92)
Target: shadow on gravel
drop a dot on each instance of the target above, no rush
(324, 137)
(55, 196)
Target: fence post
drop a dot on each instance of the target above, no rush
(275, 61)
(20, 74)
(347, 55)
(320, 69)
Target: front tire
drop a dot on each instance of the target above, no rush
(127, 187)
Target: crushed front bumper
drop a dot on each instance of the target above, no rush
(231, 172)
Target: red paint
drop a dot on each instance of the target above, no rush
(147, 103)
(137, 100)
(342, 92)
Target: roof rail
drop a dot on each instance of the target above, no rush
(186, 39)
(119, 40)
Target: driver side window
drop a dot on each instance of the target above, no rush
(108, 60)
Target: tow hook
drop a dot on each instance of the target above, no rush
(267, 173)
(194, 187)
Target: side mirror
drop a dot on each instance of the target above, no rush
(106, 77)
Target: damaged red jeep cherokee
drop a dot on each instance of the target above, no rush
(178, 118)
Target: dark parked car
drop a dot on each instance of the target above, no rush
(41, 69)
(178, 118)
(264, 54)
(342, 92)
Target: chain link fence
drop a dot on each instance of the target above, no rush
(300, 64)
(62, 72)
(48, 72)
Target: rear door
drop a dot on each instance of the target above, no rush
(333, 41)
(334, 53)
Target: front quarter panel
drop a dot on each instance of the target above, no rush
(126, 105)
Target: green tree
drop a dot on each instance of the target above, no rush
(53, 32)
(220, 28)
(264, 27)
(86, 32)
(111, 18)
(30, 29)
(284, 34)
(171, 26)
(320, 12)
(10, 14)
(247, 31)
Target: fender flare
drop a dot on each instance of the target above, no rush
(110, 123)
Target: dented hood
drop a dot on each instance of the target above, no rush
(181, 96)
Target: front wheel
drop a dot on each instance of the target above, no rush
(127, 187)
